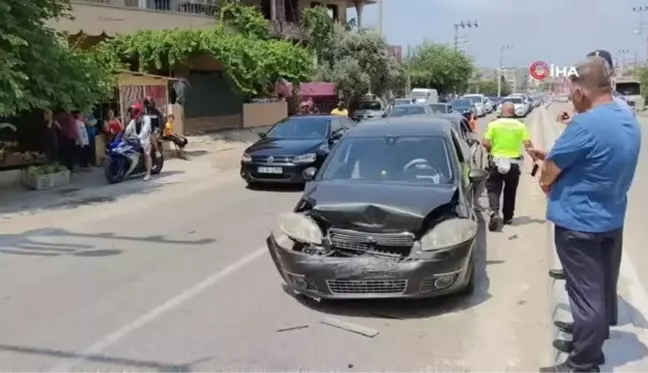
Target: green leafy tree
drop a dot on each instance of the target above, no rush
(356, 61)
(245, 19)
(489, 87)
(253, 61)
(439, 66)
(38, 69)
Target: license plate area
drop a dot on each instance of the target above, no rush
(270, 170)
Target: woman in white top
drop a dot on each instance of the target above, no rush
(82, 142)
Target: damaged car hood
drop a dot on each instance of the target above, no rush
(376, 207)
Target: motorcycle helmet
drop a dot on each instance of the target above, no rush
(136, 110)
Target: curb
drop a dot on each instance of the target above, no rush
(626, 349)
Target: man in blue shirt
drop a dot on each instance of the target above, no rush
(587, 175)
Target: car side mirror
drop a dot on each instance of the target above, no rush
(477, 175)
(309, 173)
(263, 135)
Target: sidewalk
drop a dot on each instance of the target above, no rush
(208, 155)
(626, 350)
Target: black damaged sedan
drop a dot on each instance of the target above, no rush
(389, 214)
(290, 146)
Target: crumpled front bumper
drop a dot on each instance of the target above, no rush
(371, 277)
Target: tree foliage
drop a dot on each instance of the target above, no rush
(38, 69)
(488, 87)
(439, 66)
(357, 61)
(253, 61)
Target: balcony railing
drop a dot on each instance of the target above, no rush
(195, 7)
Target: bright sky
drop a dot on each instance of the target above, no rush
(555, 31)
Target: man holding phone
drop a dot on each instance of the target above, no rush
(565, 118)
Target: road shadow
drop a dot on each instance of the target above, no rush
(402, 309)
(526, 220)
(152, 366)
(275, 187)
(34, 243)
(84, 189)
(622, 350)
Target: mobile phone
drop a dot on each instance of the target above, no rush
(534, 171)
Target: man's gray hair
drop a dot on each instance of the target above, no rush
(593, 74)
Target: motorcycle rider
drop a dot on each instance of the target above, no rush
(139, 128)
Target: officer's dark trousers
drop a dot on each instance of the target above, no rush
(591, 263)
(506, 183)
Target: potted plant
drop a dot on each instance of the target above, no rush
(46, 176)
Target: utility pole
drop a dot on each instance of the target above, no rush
(640, 29)
(500, 71)
(381, 12)
(623, 61)
(463, 25)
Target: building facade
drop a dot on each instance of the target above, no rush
(111, 17)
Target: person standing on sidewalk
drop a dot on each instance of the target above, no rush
(565, 118)
(587, 175)
(503, 140)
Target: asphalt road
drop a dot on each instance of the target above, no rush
(180, 280)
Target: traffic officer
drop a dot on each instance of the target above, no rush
(503, 140)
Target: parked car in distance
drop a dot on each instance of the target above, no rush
(479, 101)
(369, 109)
(464, 107)
(441, 108)
(390, 214)
(403, 101)
(408, 110)
(290, 146)
(494, 100)
(521, 108)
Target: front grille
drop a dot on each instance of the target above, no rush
(275, 159)
(390, 244)
(345, 237)
(367, 286)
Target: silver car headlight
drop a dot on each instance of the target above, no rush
(246, 158)
(449, 233)
(300, 228)
(305, 158)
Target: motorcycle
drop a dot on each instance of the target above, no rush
(124, 160)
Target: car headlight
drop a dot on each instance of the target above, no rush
(449, 233)
(246, 158)
(305, 158)
(300, 228)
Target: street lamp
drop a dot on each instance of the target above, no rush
(462, 24)
(501, 68)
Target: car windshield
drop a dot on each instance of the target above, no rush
(474, 99)
(461, 103)
(628, 88)
(402, 101)
(403, 111)
(301, 128)
(514, 100)
(370, 105)
(420, 94)
(438, 108)
(408, 159)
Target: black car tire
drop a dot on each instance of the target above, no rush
(252, 185)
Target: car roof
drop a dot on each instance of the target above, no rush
(418, 105)
(312, 116)
(403, 126)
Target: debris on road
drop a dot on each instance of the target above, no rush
(351, 327)
(290, 328)
(513, 237)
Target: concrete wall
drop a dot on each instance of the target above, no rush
(264, 114)
(209, 124)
